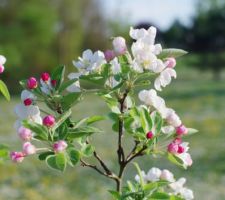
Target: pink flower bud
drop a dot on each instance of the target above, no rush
(25, 134)
(180, 149)
(45, 76)
(172, 148)
(32, 83)
(59, 146)
(28, 102)
(17, 157)
(149, 135)
(119, 45)
(109, 55)
(28, 148)
(181, 130)
(53, 82)
(49, 121)
(171, 62)
(2, 68)
(177, 141)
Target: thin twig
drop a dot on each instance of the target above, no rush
(85, 164)
(102, 163)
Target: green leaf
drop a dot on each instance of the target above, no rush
(143, 78)
(115, 194)
(157, 122)
(4, 90)
(74, 156)
(44, 155)
(66, 84)
(146, 120)
(62, 119)
(192, 131)
(58, 75)
(81, 132)
(87, 150)
(61, 161)
(94, 119)
(62, 132)
(4, 152)
(139, 173)
(92, 81)
(166, 53)
(160, 196)
(51, 162)
(70, 99)
(174, 159)
(112, 103)
(41, 131)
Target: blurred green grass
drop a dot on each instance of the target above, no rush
(199, 101)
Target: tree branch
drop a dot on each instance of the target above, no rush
(85, 164)
(120, 151)
(102, 163)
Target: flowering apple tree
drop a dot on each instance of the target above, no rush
(46, 127)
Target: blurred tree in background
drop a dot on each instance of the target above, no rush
(37, 36)
(40, 35)
(205, 37)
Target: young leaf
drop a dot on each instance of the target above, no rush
(70, 99)
(87, 150)
(166, 53)
(62, 119)
(58, 75)
(41, 131)
(82, 131)
(160, 196)
(61, 161)
(174, 159)
(146, 120)
(115, 194)
(44, 155)
(51, 162)
(74, 156)
(4, 152)
(94, 119)
(4, 90)
(66, 84)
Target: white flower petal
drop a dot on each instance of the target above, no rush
(2, 60)
(27, 94)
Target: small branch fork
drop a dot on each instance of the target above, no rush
(122, 159)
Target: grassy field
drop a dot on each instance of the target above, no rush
(200, 102)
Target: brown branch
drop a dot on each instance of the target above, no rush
(85, 164)
(120, 151)
(102, 163)
(107, 170)
(134, 155)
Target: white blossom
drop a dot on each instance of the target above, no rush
(25, 94)
(2, 60)
(143, 174)
(153, 174)
(31, 113)
(164, 78)
(185, 156)
(90, 61)
(167, 175)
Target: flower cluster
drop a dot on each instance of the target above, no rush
(115, 76)
(173, 124)
(175, 187)
(29, 111)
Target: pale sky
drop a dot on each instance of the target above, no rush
(161, 13)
